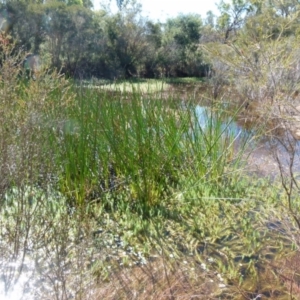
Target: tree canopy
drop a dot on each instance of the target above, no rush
(82, 42)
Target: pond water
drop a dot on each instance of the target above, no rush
(228, 126)
(263, 153)
(16, 281)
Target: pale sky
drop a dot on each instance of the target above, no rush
(162, 9)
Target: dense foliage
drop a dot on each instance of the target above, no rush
(71, 36)
(84, 43)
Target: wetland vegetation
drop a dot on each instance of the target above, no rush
(161, 188)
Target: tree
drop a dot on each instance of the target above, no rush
(180, 55)
(260, 64)
(73, 38)
(232, 16)
(154, 36)
(26, 24)
(126, 42)
(210, 19)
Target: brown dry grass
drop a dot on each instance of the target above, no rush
(288, 271)
(159, 280)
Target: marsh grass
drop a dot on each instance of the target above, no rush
(141, 85)
(141, 146)
(103, 192)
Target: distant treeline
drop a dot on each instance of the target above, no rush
(81, 42)
(70, 36)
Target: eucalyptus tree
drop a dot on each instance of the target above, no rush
(73, 33)
(209, 31)
(180, 54)
(126, 41)
(154, 35)
(232, 16)
(25, 23)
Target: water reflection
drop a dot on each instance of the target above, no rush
(16, 280)
(263, 152)
(206, 117)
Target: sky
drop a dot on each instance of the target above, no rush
(163, 9)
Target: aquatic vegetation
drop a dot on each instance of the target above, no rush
(98, 186)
